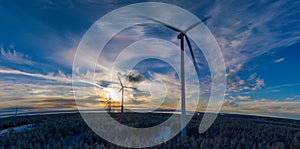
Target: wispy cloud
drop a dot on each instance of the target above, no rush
(279, 60)
(284, 86)
(238, 85)
(244, 97)
(61, 77)
(252, 29)
(289, 99)
(264, 107)
(14, 57)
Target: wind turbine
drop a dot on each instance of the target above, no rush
(15, 116)
(108, 102)
(181, 36)
(122, 102)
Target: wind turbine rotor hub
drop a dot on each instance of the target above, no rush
(180, 36)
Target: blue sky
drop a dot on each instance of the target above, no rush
(259, 41)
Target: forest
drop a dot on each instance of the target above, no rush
(68, 131)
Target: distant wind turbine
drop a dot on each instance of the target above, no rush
(15, 116)
(108, 102)
(122, 91)
(181, 36)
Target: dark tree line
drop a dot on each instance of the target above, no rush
(69, 131)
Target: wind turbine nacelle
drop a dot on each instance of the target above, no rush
(180, 36)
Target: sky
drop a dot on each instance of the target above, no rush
(259, 41)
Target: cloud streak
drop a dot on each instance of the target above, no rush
(14, 57)
(61, 77)
(279, 60)
(289, 109)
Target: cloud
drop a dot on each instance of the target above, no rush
(279, 60)
(231, 97)
(236, 84)
(32, 88)
(60, 77)
(28, 105)
(134, 76)
(259, 83)
(244, 97)
(52, 103)
(265, 107)
(38, 95)
(246, 32)
(64, 57)
(284, 86)
(229, 103)
(252, 77)
(289, 99)
(251, 30)
(15, 57)
(242, 82)
(263, 100)
(297, 96)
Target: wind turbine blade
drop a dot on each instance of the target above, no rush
(196, 24)
(192, 54)
(120, 89)
(162, 23)
(206, 18)
(120, 81)
(192, 26)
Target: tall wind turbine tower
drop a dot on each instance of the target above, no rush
(181, 36)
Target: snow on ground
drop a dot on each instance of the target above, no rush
(18, 129)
